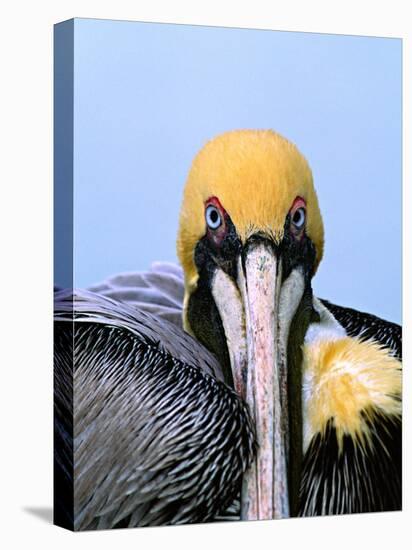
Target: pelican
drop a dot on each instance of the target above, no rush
(227, 390)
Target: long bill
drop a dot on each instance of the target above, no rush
(265, 485)
(256, 314)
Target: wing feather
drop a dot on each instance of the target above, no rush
(157, 437)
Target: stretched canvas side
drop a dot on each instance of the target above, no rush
(63, 270)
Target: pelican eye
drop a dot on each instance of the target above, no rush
(213, 218)
(299, 218)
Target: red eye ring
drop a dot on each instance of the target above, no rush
(215, 218)
(298, 215)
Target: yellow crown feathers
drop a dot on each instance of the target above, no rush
(256, 175)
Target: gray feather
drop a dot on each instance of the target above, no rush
(158, 291)
(158, 438)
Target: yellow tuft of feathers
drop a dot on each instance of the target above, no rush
(348, 381)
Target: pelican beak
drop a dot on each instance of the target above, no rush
(256, 314)
(265, 488)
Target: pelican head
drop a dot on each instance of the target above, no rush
(250, 240)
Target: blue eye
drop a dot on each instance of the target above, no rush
(299, 218)
(213, 218)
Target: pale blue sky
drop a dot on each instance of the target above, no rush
(148, 96)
